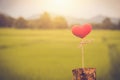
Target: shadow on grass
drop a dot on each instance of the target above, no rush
(115, 62)
(7, 73)
(114, 57)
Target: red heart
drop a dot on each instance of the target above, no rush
(81, 31)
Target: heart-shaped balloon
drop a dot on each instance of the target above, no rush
(81, 31)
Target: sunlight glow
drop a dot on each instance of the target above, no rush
(59, 6)
(59, 2)
(75, 8)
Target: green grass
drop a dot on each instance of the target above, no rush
(52, 54)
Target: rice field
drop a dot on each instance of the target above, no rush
(53, 54)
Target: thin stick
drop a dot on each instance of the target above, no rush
(82, 48)
(82, 43)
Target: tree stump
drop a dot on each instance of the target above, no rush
(84, 74)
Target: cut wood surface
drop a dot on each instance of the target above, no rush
(84, 74)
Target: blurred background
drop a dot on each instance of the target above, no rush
(36, 42)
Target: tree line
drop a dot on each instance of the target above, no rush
(45, 21)
(106, 24)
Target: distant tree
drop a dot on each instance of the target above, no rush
(107, 24)
(96, 25)
(60, 22)
(34, 24)
(118, 26)
(10, 21)
(2, 20)
(45, 21)
(107, 20)
(6, 21)
(20, 23)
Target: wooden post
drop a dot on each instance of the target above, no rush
(84, 74)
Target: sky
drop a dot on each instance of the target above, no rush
(74, 8)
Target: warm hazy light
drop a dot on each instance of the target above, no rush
(75, 8)
(59, 2)
(59, 6)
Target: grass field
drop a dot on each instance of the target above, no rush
(52, 54)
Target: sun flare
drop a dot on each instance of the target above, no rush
(59, 6)
(59, 2)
